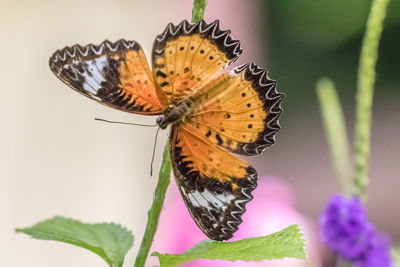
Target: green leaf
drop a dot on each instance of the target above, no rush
(108, 240)
(285, 243)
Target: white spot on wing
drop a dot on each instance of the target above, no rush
(205, 198)
(89, 80)
(89, 88)
(218, 200)
(210, 198)
(200, 199)
(193, 201)
(93, 78)
(101, 62)
(227, 198)
(92, 66)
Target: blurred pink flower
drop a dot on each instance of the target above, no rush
(271, 210)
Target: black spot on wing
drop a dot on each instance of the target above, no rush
(164, 84)
(219, 139)
(159, 73)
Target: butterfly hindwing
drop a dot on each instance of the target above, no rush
(114, 74)
(239, 110)
(214, 184)
(187, 55)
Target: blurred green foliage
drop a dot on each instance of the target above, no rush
(308, 39)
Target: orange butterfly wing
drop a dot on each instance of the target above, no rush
(214, 184)
(187, 55)
(239, 110)
(114, 74)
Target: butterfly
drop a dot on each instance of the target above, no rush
(213, 114)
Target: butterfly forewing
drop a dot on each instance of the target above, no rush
(214, 184)
(238, 111)
(187, 55)
(115, 74)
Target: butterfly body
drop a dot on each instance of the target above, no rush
(176, 114)
(213, 115)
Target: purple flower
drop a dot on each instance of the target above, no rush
(346, 230)
(343, 226)
(377, 253)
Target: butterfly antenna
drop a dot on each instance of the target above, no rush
(127, 123)
(154, 151)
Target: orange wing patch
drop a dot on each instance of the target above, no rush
(214, 184)
(238, 111)
(137, 80)
(206, 158)
(114, 74)
(187, 55)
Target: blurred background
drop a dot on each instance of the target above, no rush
(56, 160)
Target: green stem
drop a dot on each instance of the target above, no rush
(155, 210)
(365, 91)
(198, 10)
(164, 175)
(335, 130)
(396, 255)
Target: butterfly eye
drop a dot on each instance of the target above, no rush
(159, 119)
(162, 122)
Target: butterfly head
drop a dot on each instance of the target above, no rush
(162, 122)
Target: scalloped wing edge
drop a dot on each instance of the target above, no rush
(212, 31)
(240, 204)
(267, 91)
(89, 50)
